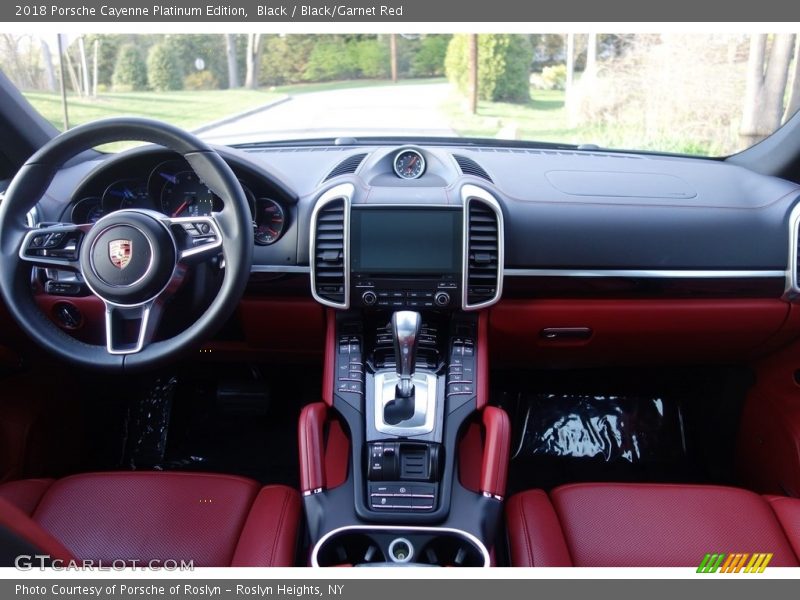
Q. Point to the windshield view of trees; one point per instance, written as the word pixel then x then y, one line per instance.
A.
pixel 708 94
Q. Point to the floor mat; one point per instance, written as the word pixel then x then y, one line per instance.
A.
pixel 619 426
pixel 576 437
pixel 240 420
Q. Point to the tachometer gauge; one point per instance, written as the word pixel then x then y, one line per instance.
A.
pixel 409 164
pixel 86 210
pixel 269 223
pixel 184 195
pixel 126 193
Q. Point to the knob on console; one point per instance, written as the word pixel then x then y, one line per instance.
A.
pixel 369 298
pixel 442 299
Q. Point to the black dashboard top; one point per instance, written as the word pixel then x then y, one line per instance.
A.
pixel 568 210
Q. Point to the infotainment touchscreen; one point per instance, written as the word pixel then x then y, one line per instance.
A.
pixel 405 241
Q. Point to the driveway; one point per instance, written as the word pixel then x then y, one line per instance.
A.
pixel 407 109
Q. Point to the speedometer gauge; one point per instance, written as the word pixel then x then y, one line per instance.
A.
pixel 409 164
pixel 184 195
pixel 270 221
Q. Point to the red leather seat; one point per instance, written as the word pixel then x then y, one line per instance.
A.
pixel 213 520
pixel 658 525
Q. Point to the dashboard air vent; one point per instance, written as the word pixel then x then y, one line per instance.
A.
pixel 470 167
pixel 484 254
pixel 328 256
pixel 347 166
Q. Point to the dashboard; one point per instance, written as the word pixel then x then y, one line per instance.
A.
pixel 589 254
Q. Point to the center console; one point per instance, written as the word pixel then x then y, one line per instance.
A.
pixel 404 462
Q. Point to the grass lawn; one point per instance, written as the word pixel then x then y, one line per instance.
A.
pixel 545 119
pixel 185 109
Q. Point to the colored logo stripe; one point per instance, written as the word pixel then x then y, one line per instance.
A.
pixel 735 563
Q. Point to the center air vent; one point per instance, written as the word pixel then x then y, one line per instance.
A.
pixel 348 166
pixel 470 167
pixel 483 260
pixel 328 252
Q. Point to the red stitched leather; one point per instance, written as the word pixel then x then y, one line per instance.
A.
pixel 18 523
pixel 497 443
pixel 311 431
pixel 148 515
pixel 25 494
pixel 787 510
pixel 207 518
pixel 269 537
pixel 666 525
pixel 330 357
pixel 534 533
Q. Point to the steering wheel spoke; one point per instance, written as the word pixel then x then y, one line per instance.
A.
pixel 54 247
pixel 130 329
pixel 197 238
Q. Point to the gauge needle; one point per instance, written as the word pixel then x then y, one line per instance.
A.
pixel 411 163
pixel 182 207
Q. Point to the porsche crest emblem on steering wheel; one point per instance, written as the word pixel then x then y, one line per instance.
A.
pixel 119 251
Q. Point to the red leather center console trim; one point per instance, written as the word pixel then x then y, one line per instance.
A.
pixel 494 468
pixel 311 438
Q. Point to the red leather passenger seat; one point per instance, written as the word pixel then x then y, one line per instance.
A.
pixel 651 525
pixel 213 520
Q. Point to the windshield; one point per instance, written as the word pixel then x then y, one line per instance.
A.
pixel 701 94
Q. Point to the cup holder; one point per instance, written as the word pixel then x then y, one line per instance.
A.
pixel 363 546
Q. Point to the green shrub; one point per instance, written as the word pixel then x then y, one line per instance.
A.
pixel 554 78
pixel 164 71
pixel 372 58
pixel 284 58
pixel 188 47
pixel 503 66
pixel 130 70
pixel 200 80
pixel 429 58
pixel 331 59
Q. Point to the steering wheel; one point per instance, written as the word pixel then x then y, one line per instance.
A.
pixel 133 260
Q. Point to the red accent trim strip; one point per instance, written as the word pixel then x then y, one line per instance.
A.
pixel 310 433
pixel 494 470
pixel 330 357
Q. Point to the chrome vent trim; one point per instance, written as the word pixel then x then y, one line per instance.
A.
pixel 337 199
pixel 792 290
pixel 346 167
pixel 469 167
pixel 472 195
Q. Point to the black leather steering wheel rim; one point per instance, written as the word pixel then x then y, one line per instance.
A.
pixel 234 223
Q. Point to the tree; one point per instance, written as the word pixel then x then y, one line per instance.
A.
pixel 47 61
pixel 794 98
pixel 253 59
pixel 504 62
pixel 164 71
pixel 393 54
pixel 233 69
pixel 473 73
pixel 130 71
pixel 767 74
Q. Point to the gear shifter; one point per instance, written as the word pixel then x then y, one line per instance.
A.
pixel 405 329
